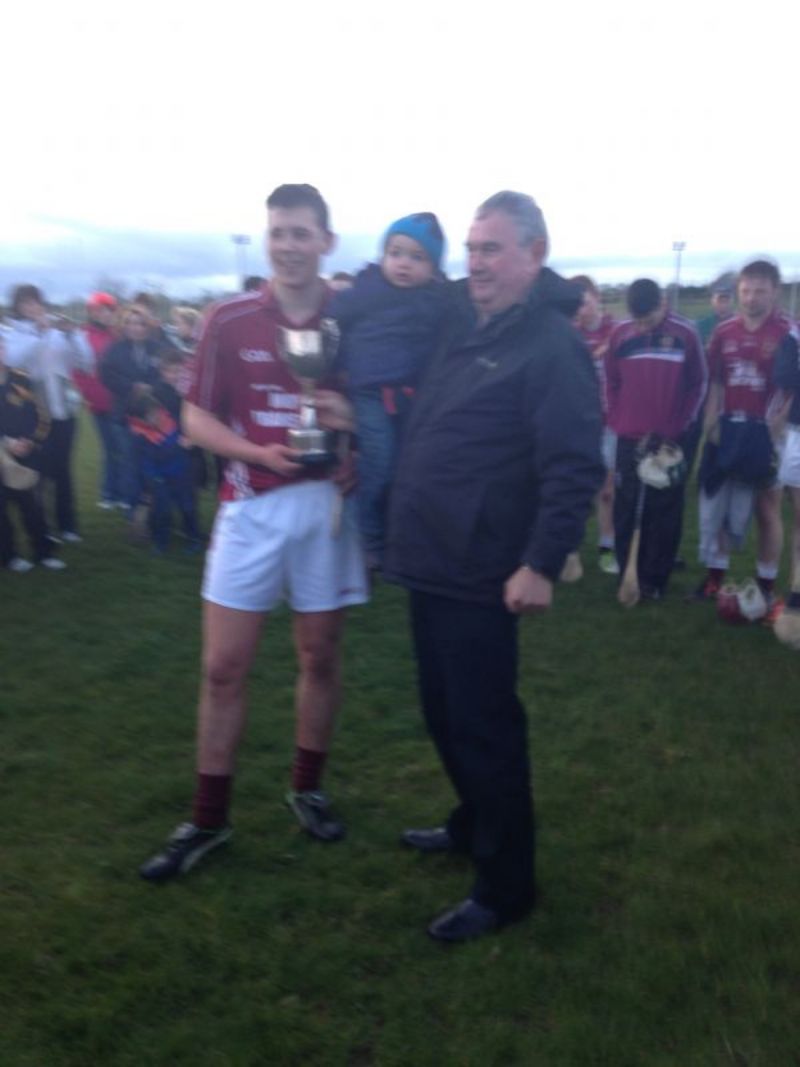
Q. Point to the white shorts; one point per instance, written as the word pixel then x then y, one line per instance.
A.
pixel 280 545
pixel 789 469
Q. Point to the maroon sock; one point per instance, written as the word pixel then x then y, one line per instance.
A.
pixel 717 574
pixel 766 585
pixel 307 769
pixel 212 799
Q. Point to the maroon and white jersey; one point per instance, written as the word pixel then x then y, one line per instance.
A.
pixel 240 378
pixel 596 341
pixel 655 379
pixel 742 361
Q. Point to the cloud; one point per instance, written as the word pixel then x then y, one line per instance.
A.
pixel 67 259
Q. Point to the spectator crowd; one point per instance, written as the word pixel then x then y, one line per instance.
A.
pixel 727 382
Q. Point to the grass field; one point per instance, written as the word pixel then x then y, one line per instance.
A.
pixel 666 754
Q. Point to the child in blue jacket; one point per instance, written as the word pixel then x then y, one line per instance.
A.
pixel 389 322
pixel 165 467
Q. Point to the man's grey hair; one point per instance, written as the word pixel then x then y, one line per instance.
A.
pixel 524 212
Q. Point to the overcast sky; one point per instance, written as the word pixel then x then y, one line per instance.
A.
pixel 138 138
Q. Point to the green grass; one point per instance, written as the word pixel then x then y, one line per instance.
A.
pixel 666 755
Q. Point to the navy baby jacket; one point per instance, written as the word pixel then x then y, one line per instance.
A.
pixel 388 333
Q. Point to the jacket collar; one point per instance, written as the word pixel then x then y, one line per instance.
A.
pixel 548 290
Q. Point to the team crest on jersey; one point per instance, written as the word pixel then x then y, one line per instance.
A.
pixel 729 346
pixel 666 343
pixel 255 355
pixel 745 374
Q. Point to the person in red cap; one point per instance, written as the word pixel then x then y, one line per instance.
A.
pixel 101 312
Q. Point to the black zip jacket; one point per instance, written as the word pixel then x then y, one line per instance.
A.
pixel 120 371
pixel 786 374
pixel 501 458
pixel 21 412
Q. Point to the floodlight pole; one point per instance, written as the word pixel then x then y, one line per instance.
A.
pixel 677 248
pixel 241 241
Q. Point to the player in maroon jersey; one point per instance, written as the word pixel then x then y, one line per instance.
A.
pixel 273 537
pixel 741 362
pixel 656 383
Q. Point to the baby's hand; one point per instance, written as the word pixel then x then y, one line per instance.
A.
pixel 333 410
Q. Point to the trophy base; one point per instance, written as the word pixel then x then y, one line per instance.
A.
pixel 316 459
pixel 315 447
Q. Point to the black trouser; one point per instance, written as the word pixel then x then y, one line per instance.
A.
pixel 662 520
pixel 32 518
pixel 56 466
pixel 467 668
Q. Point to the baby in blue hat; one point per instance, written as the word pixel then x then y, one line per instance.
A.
pixel 389 322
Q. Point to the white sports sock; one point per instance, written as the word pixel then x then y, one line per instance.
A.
pixel 767 570
pixel 717 562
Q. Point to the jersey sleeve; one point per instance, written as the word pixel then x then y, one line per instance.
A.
pixel 207 389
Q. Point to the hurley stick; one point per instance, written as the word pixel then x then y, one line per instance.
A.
pixel 628 593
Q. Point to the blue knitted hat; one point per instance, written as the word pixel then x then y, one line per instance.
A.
pixel 425 229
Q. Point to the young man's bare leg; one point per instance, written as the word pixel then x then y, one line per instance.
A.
pixel 770 537
pixel 317 639
pixel 230 639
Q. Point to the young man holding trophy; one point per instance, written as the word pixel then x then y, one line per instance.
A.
pixel 281 532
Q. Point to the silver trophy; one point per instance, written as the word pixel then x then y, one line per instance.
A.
pixel 310 355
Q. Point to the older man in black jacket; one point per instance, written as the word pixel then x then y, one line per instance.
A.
pixel 494 483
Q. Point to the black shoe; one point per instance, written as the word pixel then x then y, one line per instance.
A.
pixel 651 592
pixel 185 847
pixel 436 840
pixel 465 921
pixel 313 811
